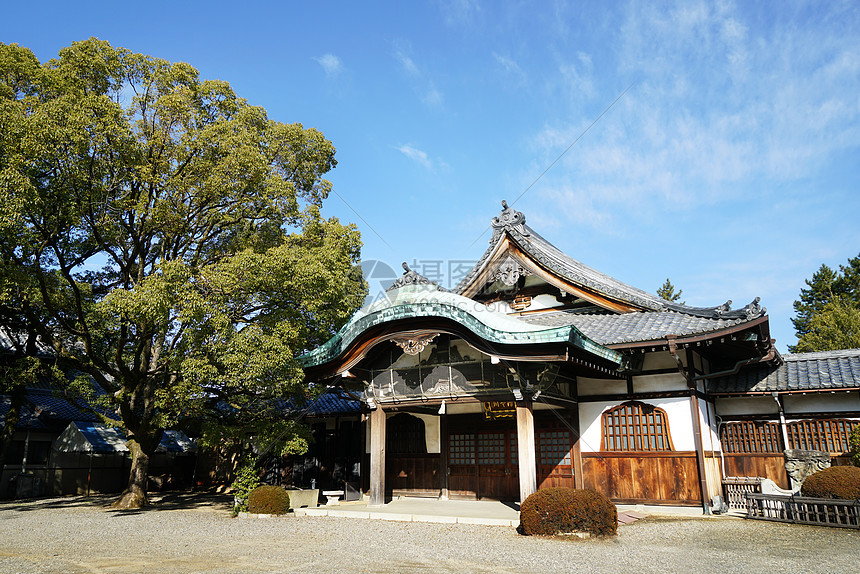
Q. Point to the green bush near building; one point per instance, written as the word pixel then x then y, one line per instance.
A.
pixel 268 499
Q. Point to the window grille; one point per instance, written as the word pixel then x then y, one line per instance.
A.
pixel 491 448
pixel 829 435
pixel 636 426
pixel 750 437
pixel 554 447
pixel 462 448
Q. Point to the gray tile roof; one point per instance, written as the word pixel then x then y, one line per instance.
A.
pixel 611 329
pixel 513 224
pixel 828 370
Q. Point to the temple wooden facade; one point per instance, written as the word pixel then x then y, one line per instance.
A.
pixel 537 370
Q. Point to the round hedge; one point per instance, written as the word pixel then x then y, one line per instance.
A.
pixel 551 511
pixel 268 499
pixel 835 482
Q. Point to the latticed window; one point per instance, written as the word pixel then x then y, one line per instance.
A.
pixel 636 426
pixel 554 447
pixel 462 448
pixel 829 435
pixel 750 437
pixel 491 448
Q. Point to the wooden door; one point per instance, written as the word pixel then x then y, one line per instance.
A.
pixel 555 458
pixel 483 465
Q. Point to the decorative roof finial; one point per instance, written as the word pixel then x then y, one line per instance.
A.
pixel 410 277
pixel 509 219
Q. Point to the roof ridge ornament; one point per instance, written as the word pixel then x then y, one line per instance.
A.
pixel 754 310
pixel 411 277
pixel 724 311
pixel 509 219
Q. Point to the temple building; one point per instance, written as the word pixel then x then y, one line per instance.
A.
pixel 537 370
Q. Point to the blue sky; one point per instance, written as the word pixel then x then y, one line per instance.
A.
pixel 730 165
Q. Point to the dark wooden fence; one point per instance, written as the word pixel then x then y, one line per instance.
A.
pixel 800 510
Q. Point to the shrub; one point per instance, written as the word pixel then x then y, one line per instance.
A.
pixel 854 444
pixel 247 479
pixel 268 499
pixel 559 510
pixel 834 482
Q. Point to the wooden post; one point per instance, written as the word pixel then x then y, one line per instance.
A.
pixel 700 451
pixel 526 449
pixel 688 374
pixel 443 452
pixel 377 457
pixel 578 477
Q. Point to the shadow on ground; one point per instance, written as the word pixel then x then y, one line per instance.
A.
pixel 179 500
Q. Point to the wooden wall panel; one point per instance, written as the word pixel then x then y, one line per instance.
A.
pixel 647 478
pixel 770 466
pixel 416 475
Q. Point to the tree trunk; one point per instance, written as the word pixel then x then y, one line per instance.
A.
pixel 7 434
pixel 134 496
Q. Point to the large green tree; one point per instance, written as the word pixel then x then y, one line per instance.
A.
pixel 836 326
pixel 829 292
pixel 164 239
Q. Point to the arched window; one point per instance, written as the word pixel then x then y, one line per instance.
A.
pixel 635 426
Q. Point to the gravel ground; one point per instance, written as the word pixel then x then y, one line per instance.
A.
pixel 196 534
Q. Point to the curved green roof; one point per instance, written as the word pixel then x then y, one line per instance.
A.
pixel 423 301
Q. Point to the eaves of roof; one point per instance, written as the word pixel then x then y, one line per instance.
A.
pixel 801 372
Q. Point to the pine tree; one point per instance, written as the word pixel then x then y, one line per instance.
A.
pixel 667 292
pixel 835 292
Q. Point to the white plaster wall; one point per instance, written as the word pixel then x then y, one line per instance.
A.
pixel 588 386
pixel 821 402
pixel 746 406
pixel 432 432
pixel 677 410
pixel 543 302
pixel 656 383
pixel 460 408
pixel 660 360
pixel 710 430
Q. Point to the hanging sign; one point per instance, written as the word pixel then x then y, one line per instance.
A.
pixel 499 410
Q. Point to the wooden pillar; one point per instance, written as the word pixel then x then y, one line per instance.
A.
pixel 377 457
pixel 578 477
pixel 526 449
pixel 443 452
pixel 700 451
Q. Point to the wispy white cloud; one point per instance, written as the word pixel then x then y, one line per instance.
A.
pixel 511 68
pixel 330 63
pixel 714 108
pixel 458 12
pixel 426 89
pixel 407 63
pixel 432 97
pixel 416 155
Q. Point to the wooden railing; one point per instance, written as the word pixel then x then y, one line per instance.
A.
pixel 800 510
pixel 735 487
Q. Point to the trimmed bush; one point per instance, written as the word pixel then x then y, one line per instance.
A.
pixel 834 482
pixel 551 511
pixel 268 499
